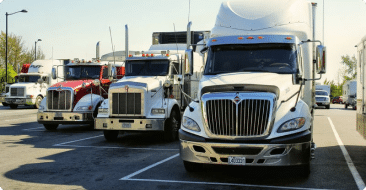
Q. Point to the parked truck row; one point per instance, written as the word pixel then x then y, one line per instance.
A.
pixel 242 93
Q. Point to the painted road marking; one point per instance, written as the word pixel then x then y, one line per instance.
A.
pixel 128 178
pixel 77 140
pixel 351 166
pixel 34 129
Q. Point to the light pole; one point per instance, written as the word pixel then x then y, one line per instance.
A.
pixel 35 49
pixel 6 43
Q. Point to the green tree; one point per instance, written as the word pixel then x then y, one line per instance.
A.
pixel 18 55
pixel 335 89
pixel 350 64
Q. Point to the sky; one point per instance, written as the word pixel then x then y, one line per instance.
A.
pixel 71 28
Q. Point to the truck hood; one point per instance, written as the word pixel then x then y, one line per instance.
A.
pixel 147 82
pixel 74 84
pixel 280 84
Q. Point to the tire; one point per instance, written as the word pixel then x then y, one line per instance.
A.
pixel 13 106
pixel 354 107
pixel 192 167
pixel 345 106
pixel 5 104
pixel 171 127
pixel 50 127
pixel 327 106
pixel 305 170
pixel 38 102
pixel 110 135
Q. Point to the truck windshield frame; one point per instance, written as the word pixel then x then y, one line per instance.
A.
pixel 321 93
pixel 82 72
pixel 28 78
pixel 278 58
pixel 147 68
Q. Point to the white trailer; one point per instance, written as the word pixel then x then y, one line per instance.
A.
pixel 361 87
pixel 350 94
pixel 323 87
pixel 31 87
pixel 255 99
pixel 151 95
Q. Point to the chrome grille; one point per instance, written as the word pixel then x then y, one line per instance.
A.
pixel 16 91
pixel 247 118
pixel 126 103
pixel 59 99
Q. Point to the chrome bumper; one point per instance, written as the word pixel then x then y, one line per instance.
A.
pixel 264 154
pixel 64 118
pixel 129 124
pixel 20 101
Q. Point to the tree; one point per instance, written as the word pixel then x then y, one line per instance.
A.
pixel 350 64
pixel 18 55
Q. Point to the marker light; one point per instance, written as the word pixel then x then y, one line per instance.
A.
pixel 214 40
pixel 130 55
pixel 152 55
pixel 167 55
pixel 143 55
pixel 240 38
pixel 288 38
pixel 250 38
pixel 260 37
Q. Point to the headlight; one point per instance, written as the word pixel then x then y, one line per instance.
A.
pixel 292 125
pixel 157 111
pixel 103 111
pixel 85 108
pixel 190 124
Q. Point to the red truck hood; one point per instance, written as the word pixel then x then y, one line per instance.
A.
pixel 74 84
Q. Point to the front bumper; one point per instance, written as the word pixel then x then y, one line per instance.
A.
pixel 129 124
pixel 20 101
pixel 64 118
pixel 256 154
pixel 322 103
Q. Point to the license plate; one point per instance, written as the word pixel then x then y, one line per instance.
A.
pixel 236 160
pixel 126 125
pixel 58 114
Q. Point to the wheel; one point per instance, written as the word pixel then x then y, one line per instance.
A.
pixel 13 106
pixel 50 127
pixel 305 170
pixel 354 107
pixel 345 106
pixel 171 127
pixel 95 113
pixel 110 135
pixel 327 106
pixel 192 167
pixel 38 102
pixel 4 104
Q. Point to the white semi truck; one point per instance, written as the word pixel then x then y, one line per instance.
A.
pixel 361 87
pixel 255 99
pixel 349 93
pixel 151 95
pixel 31 87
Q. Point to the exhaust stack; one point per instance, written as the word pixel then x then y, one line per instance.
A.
pixel 97 51
pixel 126 41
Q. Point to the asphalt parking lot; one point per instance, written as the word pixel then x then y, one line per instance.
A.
pixel 77 157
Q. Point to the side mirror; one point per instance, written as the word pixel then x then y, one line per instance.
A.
pixel 320 59
pixel 54 73
pixel 188 62
pixel 112 72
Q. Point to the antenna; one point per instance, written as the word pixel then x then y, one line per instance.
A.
pixel 114 58
pixel 323 22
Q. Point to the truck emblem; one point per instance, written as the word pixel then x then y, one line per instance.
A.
pixel 126 88
pixel 237 99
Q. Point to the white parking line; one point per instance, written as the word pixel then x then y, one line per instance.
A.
pixel 77 140
pixel 148 167
pixel 224 184
pixel 351 166
pixel 78 146
pixel 32 129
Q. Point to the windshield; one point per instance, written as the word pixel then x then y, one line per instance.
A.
pixel 147 68
pixel 28 78
pixel 275 58
pixel 82 72
pixel 321 93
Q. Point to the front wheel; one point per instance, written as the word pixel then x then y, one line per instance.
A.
pixel 38 102
pixel 345 106
pixel 192 167
pixel 110 135
pixel 50 127
pixel 327 106
pixel 5 104
pixel 13 106
pixel 171 127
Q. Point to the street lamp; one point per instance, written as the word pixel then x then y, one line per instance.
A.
pixel 6 43
pixel 35 49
